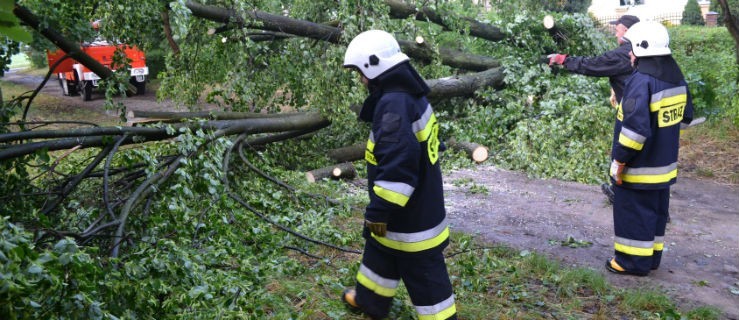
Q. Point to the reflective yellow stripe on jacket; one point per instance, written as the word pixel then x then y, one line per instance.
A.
pixel 395 192
pixel 650 174
pixel 416 241
pixel 631 139
pixel 669 105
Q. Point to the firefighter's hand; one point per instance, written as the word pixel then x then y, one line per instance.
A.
pixel 614 103
pixel 378 228
pixel 556 58
pixel 617 169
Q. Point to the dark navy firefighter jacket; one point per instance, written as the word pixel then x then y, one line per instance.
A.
pixel 402 155
pixel 647 131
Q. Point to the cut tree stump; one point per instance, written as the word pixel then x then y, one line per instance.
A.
pixel 339 171
pixel 475 151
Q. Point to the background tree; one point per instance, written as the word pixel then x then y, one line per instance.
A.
pixel 692 14
pixel 570 6
pixel 728 10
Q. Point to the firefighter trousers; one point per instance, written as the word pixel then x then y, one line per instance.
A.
pixel 426 279
pixel 640 219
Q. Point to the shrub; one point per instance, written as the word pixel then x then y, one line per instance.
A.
pixel 692 14
pixel 700 52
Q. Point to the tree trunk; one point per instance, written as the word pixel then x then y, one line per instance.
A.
pixel 465 85
pixel 473 150
pixel 401 10
pixel 449 57
pixel 348 153
pixel 285 25
pixel 100 136
pixel 210 115
pixel 732 24
pixel 340 171
pixel 267 22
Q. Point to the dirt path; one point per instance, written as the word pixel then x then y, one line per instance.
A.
pixel 701 259
pixel 146 102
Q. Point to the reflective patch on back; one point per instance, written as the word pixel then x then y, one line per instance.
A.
pixel 670 115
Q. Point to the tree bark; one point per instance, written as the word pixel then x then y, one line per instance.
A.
pixel 344 170
pixel 168 31
pixel 285 25
pixel 473 150
pixel 267 21
pixel 401 10
pixel 211 115
pixel 449 57
pixel 732 24
pixel 465 85
pixel 100 136
pixel 348 153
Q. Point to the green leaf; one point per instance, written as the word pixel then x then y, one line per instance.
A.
pixel 35 269
pixel 17 34
pixel 7 5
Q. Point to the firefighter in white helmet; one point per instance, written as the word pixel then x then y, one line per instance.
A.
pixel 405 221
pixel 644 154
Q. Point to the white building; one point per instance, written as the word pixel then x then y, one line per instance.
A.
pixel 646 10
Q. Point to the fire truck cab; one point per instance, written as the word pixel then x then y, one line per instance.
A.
pixel 74 78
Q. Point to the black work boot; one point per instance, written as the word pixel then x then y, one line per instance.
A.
pixel 607 189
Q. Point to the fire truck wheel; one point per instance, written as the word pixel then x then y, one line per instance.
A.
pixel 140 86
pixel 72 87
pixel 86 90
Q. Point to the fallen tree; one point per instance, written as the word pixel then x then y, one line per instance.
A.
pixel 402 10
pixel 286 26
pixel 101 136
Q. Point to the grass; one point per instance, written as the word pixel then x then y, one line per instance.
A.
pixel 490 282
pixel 711 151
pixel 50 108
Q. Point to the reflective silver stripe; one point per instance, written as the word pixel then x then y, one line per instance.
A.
pixel 659 239
pixel 633 135
pixel 420 124
pixel 399 187
pixel 384 282
pixel 635 243
pixel 651 170
pixel 417 236
pixel 372 137
pixel 439 307
pixel 669 93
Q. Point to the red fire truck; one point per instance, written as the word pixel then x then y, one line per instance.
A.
pixel 74 78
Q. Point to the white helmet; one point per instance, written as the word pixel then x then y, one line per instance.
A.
pixel 373 52
pixel 648 38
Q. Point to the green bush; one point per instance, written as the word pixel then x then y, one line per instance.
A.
pixel 706 56
pixel 692 14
